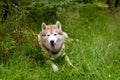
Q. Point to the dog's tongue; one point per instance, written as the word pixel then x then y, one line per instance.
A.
pixel 53 47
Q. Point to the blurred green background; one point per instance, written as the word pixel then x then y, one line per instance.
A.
pixel 93 46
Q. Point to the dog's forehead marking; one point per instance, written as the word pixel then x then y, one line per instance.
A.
pixel 52 29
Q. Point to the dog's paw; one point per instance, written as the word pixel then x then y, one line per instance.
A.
pixel 55 68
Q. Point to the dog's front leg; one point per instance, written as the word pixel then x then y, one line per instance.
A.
pixel 54 66
pixel 69 62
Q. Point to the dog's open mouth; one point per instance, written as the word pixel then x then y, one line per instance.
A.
pixel 53 47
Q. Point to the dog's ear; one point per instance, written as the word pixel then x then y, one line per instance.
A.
pixel 58 25
pixel 43 26
pixel 65 35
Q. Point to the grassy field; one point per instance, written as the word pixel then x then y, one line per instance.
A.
pixel 93 47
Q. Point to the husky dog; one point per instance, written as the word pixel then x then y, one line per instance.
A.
pixel 52 38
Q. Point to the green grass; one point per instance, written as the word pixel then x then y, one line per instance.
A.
pixel 93 47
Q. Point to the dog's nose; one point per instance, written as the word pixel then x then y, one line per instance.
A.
pixel 52 41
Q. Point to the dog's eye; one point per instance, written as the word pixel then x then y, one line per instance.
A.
pixel 48 35
pixel 55 34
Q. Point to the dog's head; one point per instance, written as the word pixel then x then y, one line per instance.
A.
pixel 53 37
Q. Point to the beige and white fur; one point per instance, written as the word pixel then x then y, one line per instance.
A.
pixel 52 39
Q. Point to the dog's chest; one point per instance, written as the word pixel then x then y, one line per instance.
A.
pixel 57 59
